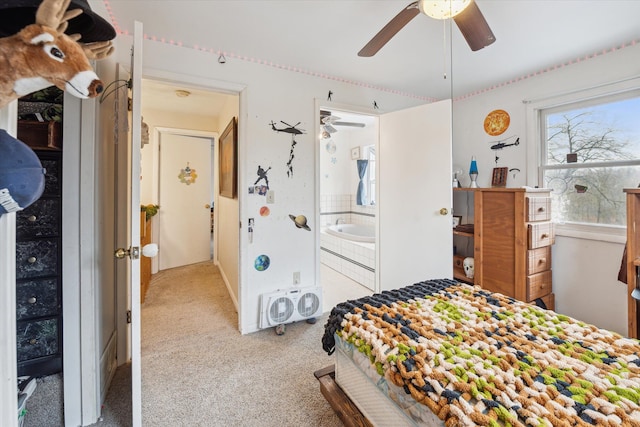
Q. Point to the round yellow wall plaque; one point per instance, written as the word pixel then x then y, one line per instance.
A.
pixel 496 122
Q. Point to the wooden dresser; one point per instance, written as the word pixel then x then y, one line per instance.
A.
pixel 512 238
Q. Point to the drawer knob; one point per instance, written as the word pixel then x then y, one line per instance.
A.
pixel 31 259
pixel 544 236
pixel 542 260
pixel 32 218
pixel 32 300
pixel 33 341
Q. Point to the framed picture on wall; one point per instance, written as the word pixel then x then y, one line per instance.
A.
pixel 355 153
pixel 499 178
pixel 228 160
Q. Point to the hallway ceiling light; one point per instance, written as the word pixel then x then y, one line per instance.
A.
pixel 180 93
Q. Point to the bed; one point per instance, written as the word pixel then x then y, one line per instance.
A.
pixel 441 352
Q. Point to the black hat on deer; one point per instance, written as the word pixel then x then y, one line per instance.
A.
pixel 17 14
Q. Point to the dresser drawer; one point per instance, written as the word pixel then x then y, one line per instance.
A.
pixel 41 219
pixel 539 208
pixel 540 234
pixel 37 298
pixel 53 176
pixel 37 338
pixel 538 260
pixel 538 285
pixel 36 258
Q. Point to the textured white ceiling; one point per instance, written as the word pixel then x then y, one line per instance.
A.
pixel 322 37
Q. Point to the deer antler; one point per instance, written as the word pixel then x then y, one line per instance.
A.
pixel 54 14
pixel 94 50
pixel 97 50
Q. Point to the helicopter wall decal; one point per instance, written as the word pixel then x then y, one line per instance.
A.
pixel 502 144
pixel 289 129
pixel 293 130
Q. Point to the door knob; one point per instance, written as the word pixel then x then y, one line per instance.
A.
pixel 207 206
pixel 444 211
pixel 133 253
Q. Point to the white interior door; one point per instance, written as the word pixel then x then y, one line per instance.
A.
pixel 185 200
pixel 415 238
pixel 134 207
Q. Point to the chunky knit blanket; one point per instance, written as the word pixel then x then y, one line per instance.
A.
pixel 480 358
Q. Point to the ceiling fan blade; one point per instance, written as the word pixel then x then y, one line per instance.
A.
pixel 351 124
pixel 329 128
pixel 474 27
pixel 390 30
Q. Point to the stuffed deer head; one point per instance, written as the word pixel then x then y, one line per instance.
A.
pixel 41 55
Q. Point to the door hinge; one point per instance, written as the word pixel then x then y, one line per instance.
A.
pixel 128 316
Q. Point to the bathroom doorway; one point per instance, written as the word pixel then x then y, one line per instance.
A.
pixel 347 144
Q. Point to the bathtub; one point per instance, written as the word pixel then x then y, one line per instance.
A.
pixel 349 252
pixel 353 232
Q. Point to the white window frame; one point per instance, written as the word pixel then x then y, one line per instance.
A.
pixel 536 151
pixel 368 177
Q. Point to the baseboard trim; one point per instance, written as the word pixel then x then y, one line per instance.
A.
pixel 108 365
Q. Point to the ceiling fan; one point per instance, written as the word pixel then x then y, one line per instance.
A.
pixel 328 121
pixel 465 13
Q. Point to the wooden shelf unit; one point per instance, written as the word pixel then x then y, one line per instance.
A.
pixel 512 241
pixel 633 257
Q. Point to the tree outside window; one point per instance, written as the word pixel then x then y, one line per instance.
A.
pixel 591 152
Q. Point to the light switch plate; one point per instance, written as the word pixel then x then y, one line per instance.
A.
pixel 271 196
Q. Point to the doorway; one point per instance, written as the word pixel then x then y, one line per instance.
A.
pixel 347 199
pixel 186 195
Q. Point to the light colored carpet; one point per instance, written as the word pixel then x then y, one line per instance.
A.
pixel 197 370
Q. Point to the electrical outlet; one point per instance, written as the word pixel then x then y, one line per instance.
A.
pixel 296 278
pixel 271 196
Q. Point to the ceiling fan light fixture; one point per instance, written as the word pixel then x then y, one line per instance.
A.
pixel 443 9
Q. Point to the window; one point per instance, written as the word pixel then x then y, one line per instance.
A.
pixel 590 152
pixel 370 177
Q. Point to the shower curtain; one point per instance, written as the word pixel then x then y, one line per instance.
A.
pixel 362 169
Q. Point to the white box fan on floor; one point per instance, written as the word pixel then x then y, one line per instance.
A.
pixel 290 305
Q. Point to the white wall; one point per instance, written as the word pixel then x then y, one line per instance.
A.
pixel 584 289
pixel 271 95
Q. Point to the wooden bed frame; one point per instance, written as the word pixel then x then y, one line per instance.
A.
pixel 346 410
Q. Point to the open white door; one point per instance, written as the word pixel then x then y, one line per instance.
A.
pixel 415 196
pixel 134 273
pixel 128 177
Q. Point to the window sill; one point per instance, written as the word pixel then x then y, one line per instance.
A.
pixel 602 233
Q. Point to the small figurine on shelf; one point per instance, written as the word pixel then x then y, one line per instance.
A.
pixel 473 172
pixel 468 266
pixel 456 182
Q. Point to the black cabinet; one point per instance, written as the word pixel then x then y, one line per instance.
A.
pixel 39 275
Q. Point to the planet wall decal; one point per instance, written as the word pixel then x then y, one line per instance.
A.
pixel 265 211
pixel 262 262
